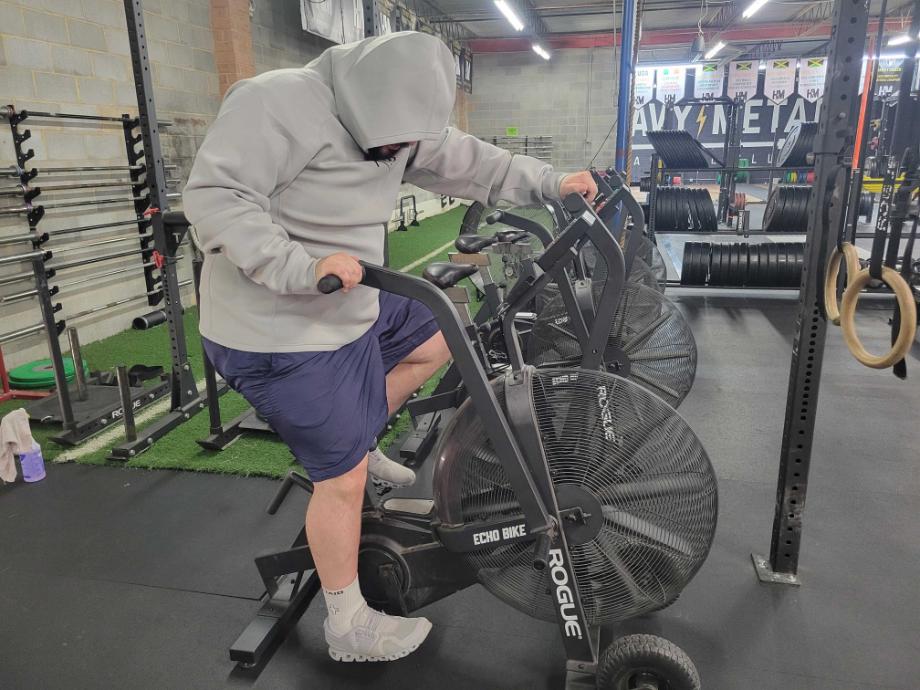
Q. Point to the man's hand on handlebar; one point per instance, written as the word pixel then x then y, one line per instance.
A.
pixel 578 183
pixel 345 266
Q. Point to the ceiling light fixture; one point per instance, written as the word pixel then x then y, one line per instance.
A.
pixel 506 10
pixel 899 40
pixel 753 8
pixel 714 50
pixel 698 48
pixel 541 51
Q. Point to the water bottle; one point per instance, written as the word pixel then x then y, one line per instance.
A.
pixel 33 465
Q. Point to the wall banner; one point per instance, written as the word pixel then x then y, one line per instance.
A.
pixel 671 83
pixel 709 79
pixel 779 79
pixel 644 85
pixel 888 80
pixel 812 71
pixel 341 21
pixel 742 79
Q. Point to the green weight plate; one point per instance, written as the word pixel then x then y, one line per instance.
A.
pixel 40 374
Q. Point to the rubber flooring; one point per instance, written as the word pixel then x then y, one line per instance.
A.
pixel 115 578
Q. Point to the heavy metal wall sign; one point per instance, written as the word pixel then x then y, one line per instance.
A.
pixel 763 121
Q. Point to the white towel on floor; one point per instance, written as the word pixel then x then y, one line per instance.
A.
pixel 15 437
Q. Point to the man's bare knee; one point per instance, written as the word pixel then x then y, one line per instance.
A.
pixel 345 487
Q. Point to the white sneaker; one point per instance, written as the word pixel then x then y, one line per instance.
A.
pixel 375 636
pixel 386 472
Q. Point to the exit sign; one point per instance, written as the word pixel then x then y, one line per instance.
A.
pixel 511 131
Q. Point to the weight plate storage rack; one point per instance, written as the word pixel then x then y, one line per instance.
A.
pixel 743 264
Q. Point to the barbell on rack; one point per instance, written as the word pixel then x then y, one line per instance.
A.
pixel 52 271
pixel 8 111
pixel 26 189
pixel 118 303
pixel 28 330
pixel 16 171
pixel 42 237
pixel 45 255
pixel 26 208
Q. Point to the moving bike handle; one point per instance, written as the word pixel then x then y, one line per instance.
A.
pixel 330 283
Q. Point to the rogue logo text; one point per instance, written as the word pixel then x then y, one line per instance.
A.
pixel 564 597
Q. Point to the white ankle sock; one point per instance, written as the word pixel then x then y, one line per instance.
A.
pixel 342 606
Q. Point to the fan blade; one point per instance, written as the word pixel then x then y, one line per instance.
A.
pixel 620 316
pixel 560 329
pixel 650 355
pixel 620 570
pixel 611 549
pixel 635 373
pixel 648 531
pixel 674 485
pixel 666 446
pixel 643 335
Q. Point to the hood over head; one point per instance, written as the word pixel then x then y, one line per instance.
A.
pixel 391 89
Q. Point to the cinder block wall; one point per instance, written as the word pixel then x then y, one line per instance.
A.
pixel 571 97
pixel 277 39
pixel 73 56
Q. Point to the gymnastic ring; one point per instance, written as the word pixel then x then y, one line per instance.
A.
pixel 848 252
pixel 908 308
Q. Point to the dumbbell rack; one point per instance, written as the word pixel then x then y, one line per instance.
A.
pixel 88 406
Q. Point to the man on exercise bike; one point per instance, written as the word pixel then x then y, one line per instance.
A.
pixel 296 180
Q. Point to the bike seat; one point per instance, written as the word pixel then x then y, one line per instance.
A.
pixel 473 244
pixel 511 235
pixel 444 275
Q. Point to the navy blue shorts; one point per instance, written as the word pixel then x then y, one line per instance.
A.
pixel 329 406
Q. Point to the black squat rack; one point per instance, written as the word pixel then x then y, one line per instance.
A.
pixel 168 232
pixel 826 218
pixel 87 407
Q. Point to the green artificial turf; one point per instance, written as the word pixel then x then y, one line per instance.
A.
pixel 252 454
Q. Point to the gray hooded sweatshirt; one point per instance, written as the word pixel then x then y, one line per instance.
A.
pixel 282 180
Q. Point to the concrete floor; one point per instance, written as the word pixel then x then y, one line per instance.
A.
pixel 113 578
